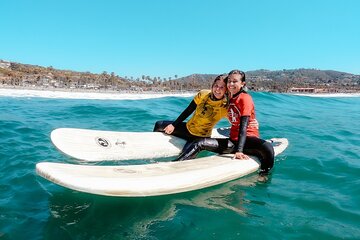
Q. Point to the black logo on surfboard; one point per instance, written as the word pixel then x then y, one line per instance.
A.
pixel 103 142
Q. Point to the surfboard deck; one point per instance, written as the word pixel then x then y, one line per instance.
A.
pixel 151 179
pixel 95 145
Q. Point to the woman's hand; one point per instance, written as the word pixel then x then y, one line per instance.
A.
pixel 169 129
pixel 241 156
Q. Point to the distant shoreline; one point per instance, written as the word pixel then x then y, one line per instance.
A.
pixel 76 93
pixel 302 80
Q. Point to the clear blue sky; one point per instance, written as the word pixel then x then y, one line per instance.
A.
pixel 163 38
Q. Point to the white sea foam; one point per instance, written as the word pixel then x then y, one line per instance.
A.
pixel 86 95
pixel 329 95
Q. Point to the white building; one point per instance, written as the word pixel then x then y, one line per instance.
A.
pixel 4 64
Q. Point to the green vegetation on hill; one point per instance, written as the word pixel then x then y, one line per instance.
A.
pixel 24 75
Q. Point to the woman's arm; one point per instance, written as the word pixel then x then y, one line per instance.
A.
pixel 244 120
pixel 186 113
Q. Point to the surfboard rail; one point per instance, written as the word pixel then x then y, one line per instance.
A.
pixel 151 179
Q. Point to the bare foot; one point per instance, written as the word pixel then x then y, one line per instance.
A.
pixel 262 178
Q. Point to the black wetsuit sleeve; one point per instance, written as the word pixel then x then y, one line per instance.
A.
pixel 186 113
pixel 244 120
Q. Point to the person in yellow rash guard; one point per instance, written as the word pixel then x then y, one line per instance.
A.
pixel 209 111
pixel 208 106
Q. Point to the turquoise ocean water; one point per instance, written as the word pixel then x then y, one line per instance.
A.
pixel 313 193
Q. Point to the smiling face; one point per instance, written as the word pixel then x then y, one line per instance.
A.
pixel 218 89
pixel 234 83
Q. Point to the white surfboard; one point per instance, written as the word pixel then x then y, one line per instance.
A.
pixel 95 145
pixel 151 179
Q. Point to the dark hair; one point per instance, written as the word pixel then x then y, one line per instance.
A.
pixel 241 73
pixel 221 77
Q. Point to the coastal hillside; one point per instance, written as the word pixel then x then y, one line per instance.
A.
pixel 295 80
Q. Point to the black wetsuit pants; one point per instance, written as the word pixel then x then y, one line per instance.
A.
pixel 180 131
pixel 254 146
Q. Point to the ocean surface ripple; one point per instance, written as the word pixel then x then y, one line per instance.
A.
pixel 313 192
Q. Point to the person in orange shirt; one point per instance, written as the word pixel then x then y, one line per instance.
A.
pixel 244 138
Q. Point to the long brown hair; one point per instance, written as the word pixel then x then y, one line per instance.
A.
pixel 222 77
